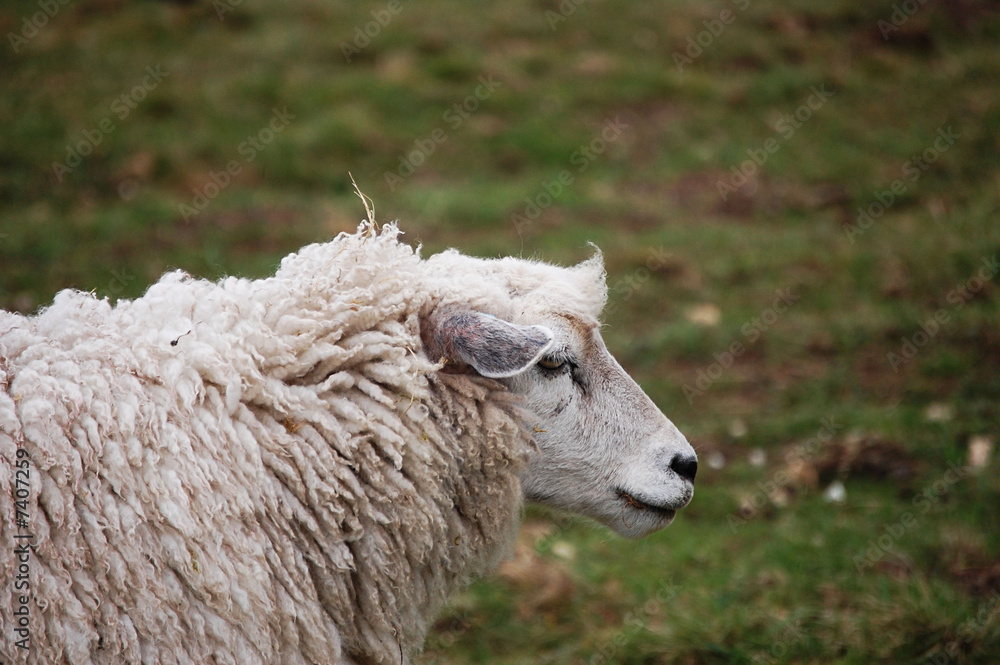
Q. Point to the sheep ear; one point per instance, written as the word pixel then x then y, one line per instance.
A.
pixel 493 347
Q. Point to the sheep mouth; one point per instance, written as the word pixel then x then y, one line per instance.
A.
pixel 665 512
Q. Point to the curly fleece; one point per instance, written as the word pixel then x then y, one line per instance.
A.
pixel 256 471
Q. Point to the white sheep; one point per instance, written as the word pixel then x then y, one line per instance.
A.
pixel 300 469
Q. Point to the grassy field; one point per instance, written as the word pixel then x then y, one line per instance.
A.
pixel 798 204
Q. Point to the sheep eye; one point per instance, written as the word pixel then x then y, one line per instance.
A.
pixel 551 364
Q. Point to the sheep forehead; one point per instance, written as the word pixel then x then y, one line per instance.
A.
pixel 582 284
pixel 533 288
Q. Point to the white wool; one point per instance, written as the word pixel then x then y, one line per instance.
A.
pixel 261 471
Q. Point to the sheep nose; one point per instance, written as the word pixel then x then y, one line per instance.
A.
pixel 685 466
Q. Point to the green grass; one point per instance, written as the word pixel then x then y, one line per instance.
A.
pixel 778 584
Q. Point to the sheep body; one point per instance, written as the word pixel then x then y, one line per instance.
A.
pixel 251 471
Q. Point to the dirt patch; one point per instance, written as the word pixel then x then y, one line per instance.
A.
pixel 868 456
pixel 965 561
pixel 979 580
pixel 543 584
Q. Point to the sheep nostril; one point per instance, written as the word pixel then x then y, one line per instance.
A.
pixel 685 466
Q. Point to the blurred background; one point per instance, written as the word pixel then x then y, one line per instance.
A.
pixel 797 204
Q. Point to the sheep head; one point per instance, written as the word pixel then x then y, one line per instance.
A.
pixel 604 449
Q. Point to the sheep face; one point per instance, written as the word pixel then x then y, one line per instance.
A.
pixel 604 449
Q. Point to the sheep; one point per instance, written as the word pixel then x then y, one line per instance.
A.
pixel 301 469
